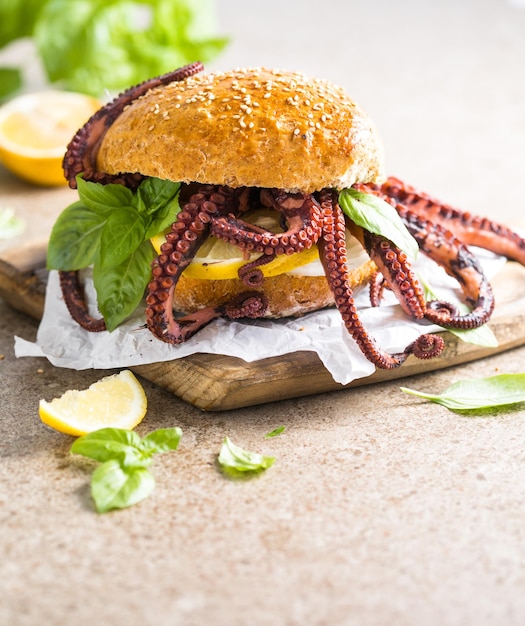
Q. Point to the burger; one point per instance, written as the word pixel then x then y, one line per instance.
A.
pixel 268 142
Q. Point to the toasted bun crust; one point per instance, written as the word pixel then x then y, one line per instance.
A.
pixel 247 127
pixel 288 294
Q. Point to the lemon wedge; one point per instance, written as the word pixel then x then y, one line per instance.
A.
pixel 35 130
pixel 217 259
pixel 116 401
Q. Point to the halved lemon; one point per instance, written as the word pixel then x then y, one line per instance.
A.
pixel 116 401
pixel 217 259
pixel 35 130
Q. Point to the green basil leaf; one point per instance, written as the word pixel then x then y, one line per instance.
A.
pixel 75 238
pixel 10 81
pixel 162 440
pixel 117 487
pixel 119 444
pixel 120 288
pixel 378 217
pixel 160 202
pixel 234 457
pixel 153 194
pixel 482 393
pixel 122 235
pixel 103 198
pixel 275 432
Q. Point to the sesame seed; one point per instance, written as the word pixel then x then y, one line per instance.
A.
pixel 242 123
pixel 267 95
pixel 251 125
pixel 296 131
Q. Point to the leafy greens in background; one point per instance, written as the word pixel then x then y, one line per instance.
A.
pixel 103 45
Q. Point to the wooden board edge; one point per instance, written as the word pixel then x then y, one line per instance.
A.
pixel 214 383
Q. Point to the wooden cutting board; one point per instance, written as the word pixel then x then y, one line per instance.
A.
pixel 215 383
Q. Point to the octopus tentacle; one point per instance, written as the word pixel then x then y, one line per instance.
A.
pixel 332 248
pixel 457 260
pixel 182 242
pixel 396 271
pixel 471 229
pixel 376 286
pixel 460 263
pixel 252 304
pixel 75 300
pixel 302 215
pixel 251 274
pixel 82 151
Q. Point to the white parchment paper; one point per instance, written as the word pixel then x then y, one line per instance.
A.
pixel 65 344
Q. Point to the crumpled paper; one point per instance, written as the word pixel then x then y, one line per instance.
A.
pixel 65 344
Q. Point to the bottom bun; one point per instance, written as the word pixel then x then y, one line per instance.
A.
pixel 289 295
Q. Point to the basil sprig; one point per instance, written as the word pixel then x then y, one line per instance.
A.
pixel 110 228
pixel 481 393
pixel 378 217
pixel 123 479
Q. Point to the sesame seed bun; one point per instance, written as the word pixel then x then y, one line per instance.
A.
pixel 247 127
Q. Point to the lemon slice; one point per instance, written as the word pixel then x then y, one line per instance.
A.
pixel 116 401
pixel 35 130
pixel 217 259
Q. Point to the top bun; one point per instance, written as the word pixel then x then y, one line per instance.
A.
pixel 247 127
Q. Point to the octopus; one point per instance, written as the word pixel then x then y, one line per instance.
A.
pixel 443 233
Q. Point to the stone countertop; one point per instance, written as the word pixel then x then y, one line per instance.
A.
pixel 381 508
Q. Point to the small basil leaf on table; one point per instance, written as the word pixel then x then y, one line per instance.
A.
pixel 481 393
pixel 234 457
pixel 275 432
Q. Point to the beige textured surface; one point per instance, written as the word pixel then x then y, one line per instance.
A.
pixel 380 509
pixel 247 127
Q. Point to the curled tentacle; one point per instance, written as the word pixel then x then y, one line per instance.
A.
pixel 470 229
pixel 427 347
pixel 458 261
pixel 75 301
pixel 396 273
pixel 251 274
pixel 376 285
pixel 252 304
pixel 182 242
pixel 82 151
pixel 301 213
pixel 332 248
